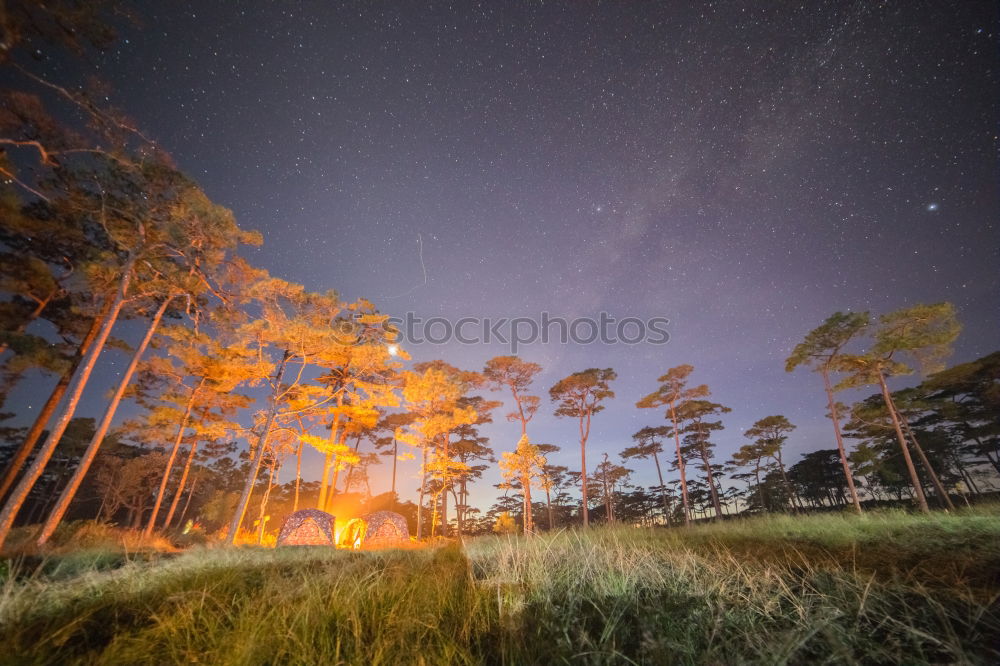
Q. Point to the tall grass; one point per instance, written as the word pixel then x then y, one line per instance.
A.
pixel 775 590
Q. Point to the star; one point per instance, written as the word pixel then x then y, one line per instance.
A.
pixel 931 207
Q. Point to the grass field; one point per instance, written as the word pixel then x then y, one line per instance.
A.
pixel 887 588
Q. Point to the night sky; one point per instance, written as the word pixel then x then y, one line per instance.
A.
pixel 743 169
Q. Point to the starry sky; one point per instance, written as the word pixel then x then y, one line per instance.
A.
pixel 742 169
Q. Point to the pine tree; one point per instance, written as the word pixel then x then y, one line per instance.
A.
pixel 673 392
pixel 580 396
pixel 525 464
pixel 924 333
pixel 821 350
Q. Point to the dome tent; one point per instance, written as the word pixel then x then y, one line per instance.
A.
pixel 307 527
pixel 385 529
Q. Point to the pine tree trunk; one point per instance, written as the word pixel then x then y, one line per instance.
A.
pixel 793 498
pixel 583 468
pixel 608 518
pixel 298 466
pixel 395 453
pixel 840 441
pixel 323 480
pixel 261 522
pixel 241 506
pixel 38 427
pixel 680 467
pixel 529 518
pixel 458 514
pixel 935 480
pixel 444 488
pixel 966 477
pixel 69 492
pixel 298 476
pixel 336 472
pixel 760 488
pixel 74 391
pixel 187 502
pixel 328 458
pixel 423 485
pixel 181 427
pixel 180 485
pixel 350 470
pixel 918 491
pixel 548 505
pixel 711 480
pixel 434 515
pixel 663 488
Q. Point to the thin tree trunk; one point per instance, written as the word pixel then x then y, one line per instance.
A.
pixel 917 489
pixel 423 485
pixel 35 432
pixel 182 426
pixel 69 492
pixel 792 496
pixel 938 486
pixel 583 467
pixel 241 506
pixel 434 514
pixel 328 458
pixel 395 453
pixel 336 472
pixel 180 485
pixel 548 504
pixel 711 480
pixel 444 487
pixel 835 417
pixel 298 465
pixel 965 475
pixel 74 391
pixel 350 470
pixel 298 476
pixel 261 522
pixel 760 488
pixel 529 518
pixel 323 480
pixel 458 514
pixel 608 515
pixel 187 502
pixel 680 467
pixel 463 497
pixel 663 489
pixel 100 509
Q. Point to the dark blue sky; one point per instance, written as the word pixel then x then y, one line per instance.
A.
pixel 741 168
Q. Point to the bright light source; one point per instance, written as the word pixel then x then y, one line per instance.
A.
pixel 393 350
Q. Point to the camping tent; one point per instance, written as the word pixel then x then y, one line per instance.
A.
pixel 308 527
pixel 385 529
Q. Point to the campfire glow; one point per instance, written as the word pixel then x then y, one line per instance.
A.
pixel 352 534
